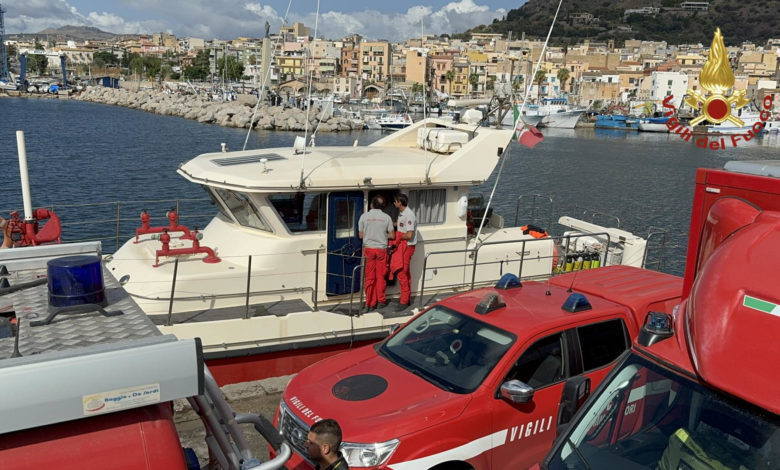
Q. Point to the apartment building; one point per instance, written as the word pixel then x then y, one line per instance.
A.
pixel 374 61
pixel 440 65
pixel 350 61
pixel 416 66
pixel 663 84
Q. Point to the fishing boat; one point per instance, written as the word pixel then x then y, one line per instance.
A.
pixel 617 121
pixel 528 115
pixel 750 118
pixel 558 113
pixel 273 282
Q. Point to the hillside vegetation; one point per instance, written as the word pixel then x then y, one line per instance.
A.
pixel 740 21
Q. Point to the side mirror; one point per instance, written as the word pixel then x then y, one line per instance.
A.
pixel 394 328
pixel 516 391
pixel 575 391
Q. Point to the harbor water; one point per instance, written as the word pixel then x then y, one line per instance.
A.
pixel 83 153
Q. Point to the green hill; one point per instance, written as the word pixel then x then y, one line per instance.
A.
pixel 744 20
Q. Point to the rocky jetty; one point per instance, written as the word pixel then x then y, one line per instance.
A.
pixel 229 114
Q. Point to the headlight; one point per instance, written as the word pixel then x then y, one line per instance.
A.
pixel 368 455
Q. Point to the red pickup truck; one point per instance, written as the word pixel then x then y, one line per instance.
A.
pixel 476 381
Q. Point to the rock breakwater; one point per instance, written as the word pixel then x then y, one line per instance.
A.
pixel 228 114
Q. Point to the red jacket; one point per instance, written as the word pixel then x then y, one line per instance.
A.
pixel 397 248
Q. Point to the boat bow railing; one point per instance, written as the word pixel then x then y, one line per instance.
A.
pixel 564 247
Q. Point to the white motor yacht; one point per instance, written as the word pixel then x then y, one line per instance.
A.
pixel 285 273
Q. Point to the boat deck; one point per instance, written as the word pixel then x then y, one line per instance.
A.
pixel 282 308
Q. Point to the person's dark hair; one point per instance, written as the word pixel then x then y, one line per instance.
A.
pixel 329 431
pixel 401 197
pixel 377 202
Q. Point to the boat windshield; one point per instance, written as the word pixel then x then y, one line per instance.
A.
pixel 239 207
pixel 451 350
pixel 301 212
pixel 650 417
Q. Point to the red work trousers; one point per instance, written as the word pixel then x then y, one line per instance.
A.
pixel 405 277
pixel 376 269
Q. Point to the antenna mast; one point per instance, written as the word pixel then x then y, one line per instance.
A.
pixel 3 53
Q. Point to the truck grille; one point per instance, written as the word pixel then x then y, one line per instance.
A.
pixel 294 431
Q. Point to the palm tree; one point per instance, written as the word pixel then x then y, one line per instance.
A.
pixel 450 76
pixel 473 80
pixel 517 83
pixel 541 76
pixel 563 77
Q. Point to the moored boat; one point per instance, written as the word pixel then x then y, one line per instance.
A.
pixel 288 281
pixel 617 121
pixel 394 121
pixel 654 124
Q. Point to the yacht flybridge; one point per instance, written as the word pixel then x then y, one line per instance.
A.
pixel 284 271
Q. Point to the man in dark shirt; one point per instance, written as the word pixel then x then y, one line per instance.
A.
pixel 323 443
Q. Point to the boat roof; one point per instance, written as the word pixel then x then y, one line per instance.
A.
pixel 395 160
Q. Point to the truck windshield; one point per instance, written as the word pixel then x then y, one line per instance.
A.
pixel 451 350
pixel 650 417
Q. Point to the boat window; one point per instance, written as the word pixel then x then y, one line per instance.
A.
pixel 301 212
pixel 345 218
pixel 428 205
pixel 241 208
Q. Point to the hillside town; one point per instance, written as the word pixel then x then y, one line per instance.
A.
pixel 593 74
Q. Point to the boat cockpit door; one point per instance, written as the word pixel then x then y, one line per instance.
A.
pixel 344 245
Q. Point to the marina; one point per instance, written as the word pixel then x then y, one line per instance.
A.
pixel 307 300
pixel 604 173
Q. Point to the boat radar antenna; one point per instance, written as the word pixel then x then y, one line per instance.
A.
pixel 3 52
pixel 520 113
pixel 266 67
pixel 308 99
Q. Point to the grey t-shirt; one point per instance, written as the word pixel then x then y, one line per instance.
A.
pixel 375 225
pixel 407 222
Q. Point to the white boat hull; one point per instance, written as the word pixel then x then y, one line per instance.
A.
pixel 562 120
pixel 652 127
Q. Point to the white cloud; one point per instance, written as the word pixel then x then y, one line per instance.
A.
pixel 232 18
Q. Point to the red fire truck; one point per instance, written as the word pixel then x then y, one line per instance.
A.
pixel 475 381
pixel 700 388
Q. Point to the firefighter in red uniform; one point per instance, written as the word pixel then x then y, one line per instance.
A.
pixel 407 227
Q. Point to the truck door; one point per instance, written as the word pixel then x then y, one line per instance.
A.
pixel 530 427
pixel 344 246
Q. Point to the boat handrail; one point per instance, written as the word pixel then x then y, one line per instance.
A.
pixel 557 241
pixel 533 207
pixel 656 242
pixel 71 215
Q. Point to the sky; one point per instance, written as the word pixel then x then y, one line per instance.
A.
pixel 393 20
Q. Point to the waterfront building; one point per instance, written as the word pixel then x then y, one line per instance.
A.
pixel 416 66
pixel 664 84
pixel 374 61
pixel 441 64
pixel 350 61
